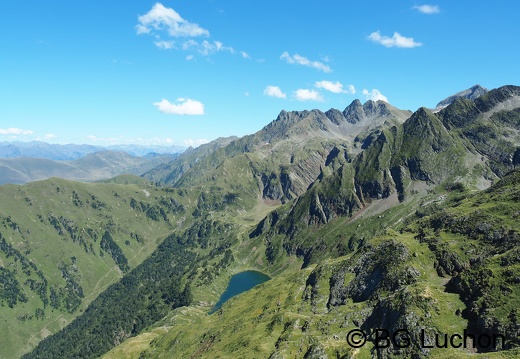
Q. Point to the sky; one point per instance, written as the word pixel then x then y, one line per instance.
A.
pixel 186 72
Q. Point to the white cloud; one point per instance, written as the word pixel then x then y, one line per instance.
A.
pixel 206 48
pixel 197 142
pixel 190 57
pixel 15 131
pixel 165 44
pixel 274 91
pixel 335 87
pixel 189 44
pixel 215 46
pixel 395 41
pixel 307 95
pixel 183 106
pixel 50 135
pixel 124 62
pixel 161 18
pixel 300 60
pixel 374 95
pixel 427 9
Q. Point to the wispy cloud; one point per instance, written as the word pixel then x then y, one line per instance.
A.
pixel 335 87
pixel 206 47
pixel 196 142
pixel 107 140
pixel 245 55
pixel 161 18
pixel 274 91
pixel 307 95
pixel 395 41
pixel 300 60
pixel 165 44
pixel 374 95
pixel 427 9
pixel 15 131
pixel 183 106
pixel 124 62
pixel 122 140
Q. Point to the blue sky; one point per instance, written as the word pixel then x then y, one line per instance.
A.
pixel 188 71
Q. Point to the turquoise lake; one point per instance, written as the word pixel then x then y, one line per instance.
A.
pixel 240 283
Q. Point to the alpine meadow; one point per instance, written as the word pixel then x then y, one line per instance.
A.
pixel 206 179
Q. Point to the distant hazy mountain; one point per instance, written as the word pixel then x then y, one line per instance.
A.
pixel 472 93
pixel 138 150
pixel 49 151
pixel 92 167
pixel 38 149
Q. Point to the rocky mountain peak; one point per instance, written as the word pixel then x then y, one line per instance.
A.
pixel 357 112
pixel 472 93
pixel 354 112
pixel 335 116
pixel 379 108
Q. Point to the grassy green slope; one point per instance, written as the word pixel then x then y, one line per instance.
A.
pixel 55 255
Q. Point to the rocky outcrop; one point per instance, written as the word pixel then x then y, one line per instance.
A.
pixel 379 269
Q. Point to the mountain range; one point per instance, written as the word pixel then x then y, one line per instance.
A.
pixel 366 218
pixel 22 162
pixel 92 167
pixel 69 152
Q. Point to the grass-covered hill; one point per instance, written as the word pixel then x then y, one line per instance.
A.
pixel 63 243
pixel 371 217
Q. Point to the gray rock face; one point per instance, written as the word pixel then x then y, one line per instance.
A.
pixel 354 112
pixel 372 108
pixel 472 93
pixel 335 116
